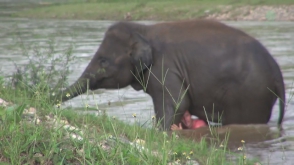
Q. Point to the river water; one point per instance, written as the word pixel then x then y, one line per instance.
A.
pixel 85 37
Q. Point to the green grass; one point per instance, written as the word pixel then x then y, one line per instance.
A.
pixel 45 144
pixel 104 140
pixel 138 9
pixel 55 136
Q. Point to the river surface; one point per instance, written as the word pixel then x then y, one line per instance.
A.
pixel 86 36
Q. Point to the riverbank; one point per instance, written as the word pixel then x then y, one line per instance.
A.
pixel 255 13
pixel 63 136
pixel 252 10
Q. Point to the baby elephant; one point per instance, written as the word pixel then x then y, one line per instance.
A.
pixel 217 72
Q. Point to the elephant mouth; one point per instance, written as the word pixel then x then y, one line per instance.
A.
pixel 104 83
pixel 93 85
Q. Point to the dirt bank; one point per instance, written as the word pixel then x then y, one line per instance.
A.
pixel 254 13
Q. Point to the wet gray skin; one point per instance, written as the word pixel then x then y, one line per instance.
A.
pixel 263 141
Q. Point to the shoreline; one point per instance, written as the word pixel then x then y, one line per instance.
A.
pixel 154 12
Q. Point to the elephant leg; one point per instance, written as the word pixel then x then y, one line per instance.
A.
pixel 170 103
pixel 166 113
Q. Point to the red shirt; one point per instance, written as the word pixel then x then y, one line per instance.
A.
pixel 197 123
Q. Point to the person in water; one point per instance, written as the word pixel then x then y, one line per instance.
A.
pixel 188 123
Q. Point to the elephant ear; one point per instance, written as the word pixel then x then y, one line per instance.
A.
pixel 141 52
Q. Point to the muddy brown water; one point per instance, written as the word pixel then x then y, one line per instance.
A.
pixel 263 141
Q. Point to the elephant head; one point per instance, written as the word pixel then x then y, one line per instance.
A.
pixel 124 51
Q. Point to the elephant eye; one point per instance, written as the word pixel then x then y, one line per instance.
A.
pixel 103 62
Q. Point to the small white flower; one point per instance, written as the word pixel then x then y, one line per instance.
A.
pixel 87 105
pixel 58 105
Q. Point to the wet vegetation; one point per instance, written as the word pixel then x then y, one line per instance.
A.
pixel 35 131
pixel 136 9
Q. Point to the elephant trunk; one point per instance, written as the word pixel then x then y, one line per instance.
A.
pixel 88 80
pixel 79 87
